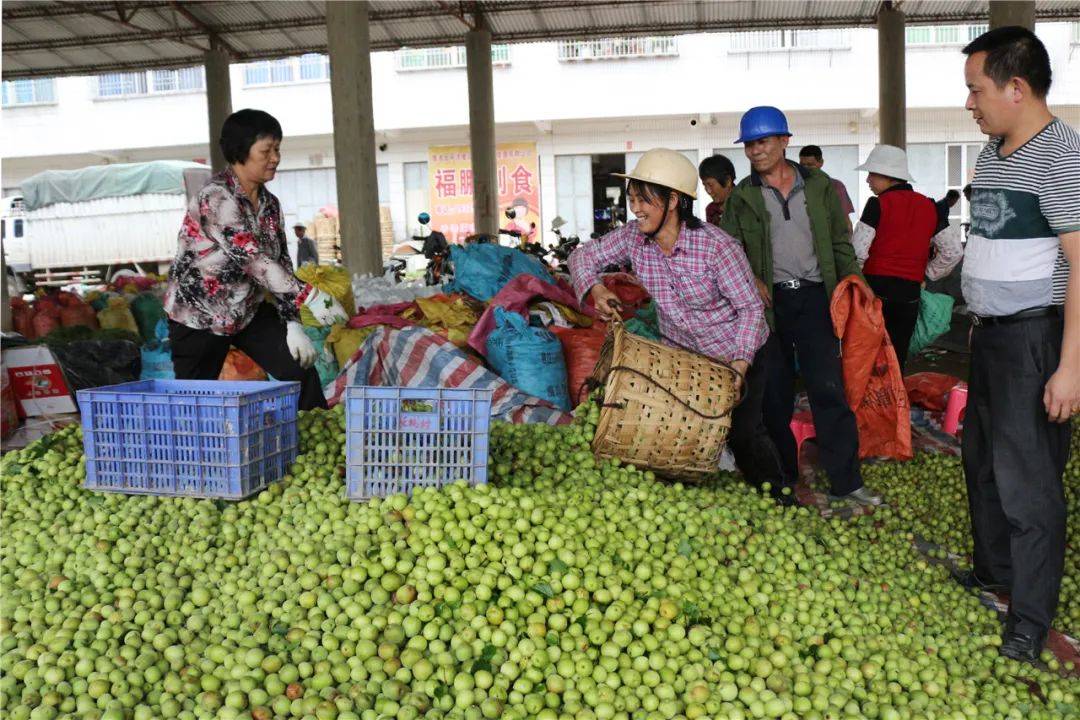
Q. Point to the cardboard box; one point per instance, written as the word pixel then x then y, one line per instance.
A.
pixel 38 382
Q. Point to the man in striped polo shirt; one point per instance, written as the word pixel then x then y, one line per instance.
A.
pixel 1021 282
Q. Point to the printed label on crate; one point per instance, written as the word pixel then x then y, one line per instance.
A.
pixel 420 421
pixel 37 381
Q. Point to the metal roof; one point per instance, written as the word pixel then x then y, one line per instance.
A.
pixel 50 38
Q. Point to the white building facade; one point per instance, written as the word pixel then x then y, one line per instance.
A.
pixel 590 108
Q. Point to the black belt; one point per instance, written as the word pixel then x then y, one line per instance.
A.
pixel 796 284
pixel 983 320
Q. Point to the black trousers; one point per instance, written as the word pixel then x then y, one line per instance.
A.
pixel 804 330
pixel 200 354
pixel 1014 460
pixel 900 307
pixel 755 453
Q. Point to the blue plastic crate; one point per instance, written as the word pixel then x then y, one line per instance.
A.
pixel 190 438
pixel 399 439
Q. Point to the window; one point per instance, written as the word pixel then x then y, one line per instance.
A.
pixel 783 40
pixel 574 194
pixel 190 79
pixel 312 67
pixel 417 197
pixel 617 48
pixel 17 228
pixel 152 82
pixel 29 92
pixel 933 35
pixel 443 58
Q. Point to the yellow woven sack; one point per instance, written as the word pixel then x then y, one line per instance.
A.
pixel 333 279
pixel 346 340
pixel 118 316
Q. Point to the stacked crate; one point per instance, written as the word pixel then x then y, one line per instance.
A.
pixel 327 235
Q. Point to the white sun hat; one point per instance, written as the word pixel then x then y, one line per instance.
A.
pixel 888 160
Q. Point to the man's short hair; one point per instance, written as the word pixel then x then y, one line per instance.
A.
pixel 812 151
pixel 243 129
pixel 717 167
pixel 1014 52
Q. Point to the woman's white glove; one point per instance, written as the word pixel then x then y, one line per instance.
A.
pixel 300 346
pixel 324 307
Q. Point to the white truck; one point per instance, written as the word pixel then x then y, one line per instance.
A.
pixel 72 226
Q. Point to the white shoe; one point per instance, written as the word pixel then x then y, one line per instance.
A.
pixel 862 496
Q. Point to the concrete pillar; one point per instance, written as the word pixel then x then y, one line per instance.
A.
pixel 892 96
pixel 348 38
pixel 1004 13
pixel 218 99
pixel 482 128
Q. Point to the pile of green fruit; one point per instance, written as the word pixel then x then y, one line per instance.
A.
pixel 929 500
pixel 566 589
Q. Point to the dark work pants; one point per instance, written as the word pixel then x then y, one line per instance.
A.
pixel 200 354
pixel 1014 460
pixel 755 453
pixel 804 329
pixel 900 307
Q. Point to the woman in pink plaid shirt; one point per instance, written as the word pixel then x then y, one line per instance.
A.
pixel 703 288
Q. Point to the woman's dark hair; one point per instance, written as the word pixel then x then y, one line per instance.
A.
pixel 1014 51
pixel 717 167
pixel 658 194
pixel 243 129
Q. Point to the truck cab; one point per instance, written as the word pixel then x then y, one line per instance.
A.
pixel 15 233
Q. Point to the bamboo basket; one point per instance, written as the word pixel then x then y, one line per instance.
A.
pixel 664 409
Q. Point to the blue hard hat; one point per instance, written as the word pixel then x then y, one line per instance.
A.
pixel 762 121
pixel 424 218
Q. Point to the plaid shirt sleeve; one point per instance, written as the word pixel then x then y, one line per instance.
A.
pixel 736 283
pixel 590 258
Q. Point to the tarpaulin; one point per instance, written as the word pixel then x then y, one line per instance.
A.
pixel 105 181
pixel 417 357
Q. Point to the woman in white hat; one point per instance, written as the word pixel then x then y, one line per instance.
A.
pixel 893 241
pixel 702 285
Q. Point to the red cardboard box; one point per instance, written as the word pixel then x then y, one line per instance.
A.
pixel 38 382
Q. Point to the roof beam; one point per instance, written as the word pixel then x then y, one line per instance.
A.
pixel 74 42
pixel 50 10
pixel 459 13
pixel 139 33
pixel 215 37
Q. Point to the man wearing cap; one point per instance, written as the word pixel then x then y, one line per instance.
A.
pixel 893 239
pixel 698 277
pixel 792 226
pixel 305 246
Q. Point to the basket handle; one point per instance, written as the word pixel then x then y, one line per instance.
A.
pixel 675 397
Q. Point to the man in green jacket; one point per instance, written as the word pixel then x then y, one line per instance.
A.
pixel 794 231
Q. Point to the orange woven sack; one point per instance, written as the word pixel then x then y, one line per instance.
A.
pixel 872 379
pixel 239 366
pixel 581 350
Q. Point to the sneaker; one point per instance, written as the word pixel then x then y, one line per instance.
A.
pixel 970 581
pixel 862 496
pixel 1020 647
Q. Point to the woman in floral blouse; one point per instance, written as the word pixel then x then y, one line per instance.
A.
pixel 232 282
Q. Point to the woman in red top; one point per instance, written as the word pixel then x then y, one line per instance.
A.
pixel 893 240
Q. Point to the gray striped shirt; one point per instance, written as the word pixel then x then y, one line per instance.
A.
pixel 1020 204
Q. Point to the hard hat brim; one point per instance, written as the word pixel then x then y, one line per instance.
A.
pixel 758 136
pixel 632 176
